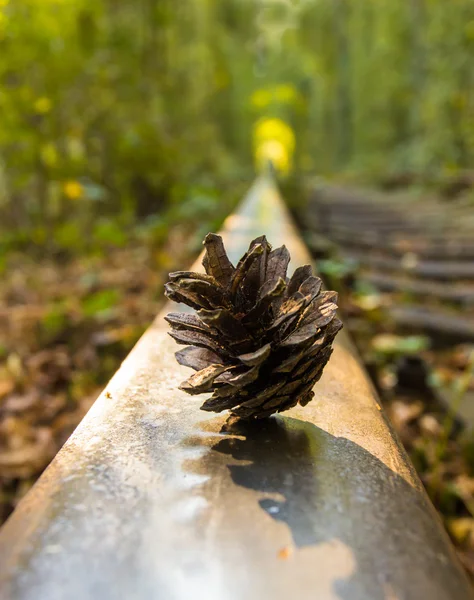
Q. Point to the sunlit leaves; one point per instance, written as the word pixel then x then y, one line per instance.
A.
pixel 49 155
pixel 73 190
pixel 274 140
pixel 284 94
pixel 42 105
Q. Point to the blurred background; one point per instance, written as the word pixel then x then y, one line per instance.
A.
pixel 130 129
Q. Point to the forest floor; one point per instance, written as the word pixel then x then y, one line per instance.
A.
pixel 65 327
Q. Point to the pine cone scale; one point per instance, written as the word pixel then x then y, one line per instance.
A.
pixel 298 278
pixel 202 381
pixel 255 358
pixel 196 358
pixel 200 340
pixel 216 261
pixel 225 323
pixel 187 322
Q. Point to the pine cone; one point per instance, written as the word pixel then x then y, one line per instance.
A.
pixel 259 340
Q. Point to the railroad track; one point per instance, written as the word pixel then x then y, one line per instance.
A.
pixel 421 249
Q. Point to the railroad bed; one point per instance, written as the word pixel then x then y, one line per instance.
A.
pixel 421 249
pixel 417 254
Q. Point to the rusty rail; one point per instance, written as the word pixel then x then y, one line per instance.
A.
pixel 153 498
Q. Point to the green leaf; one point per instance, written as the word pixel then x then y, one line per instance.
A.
pixel 100 304
pixel 109 232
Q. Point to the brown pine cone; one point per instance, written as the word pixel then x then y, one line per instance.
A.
pixel 259 340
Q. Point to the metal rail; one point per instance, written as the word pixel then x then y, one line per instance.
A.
pixel 153 498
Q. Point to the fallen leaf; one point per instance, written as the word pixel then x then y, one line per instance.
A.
pixel 285 553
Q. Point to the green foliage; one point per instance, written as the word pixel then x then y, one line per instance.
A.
pixel 68 236
pixel 388 345
pixel 126 109
pixel 100 305
pixel 54 320
pixel 380 86
pixel 335 269
pixel 109 233
pixel 108 107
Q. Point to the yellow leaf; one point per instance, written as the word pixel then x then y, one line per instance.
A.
pixel 49 155
pixel 261 98
pixel 42 105
pixel 268 129
pixel 274 140
pixel 286 93
pixel 73 190
pixel 274 151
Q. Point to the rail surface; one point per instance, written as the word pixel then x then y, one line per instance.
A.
pixel 153 498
